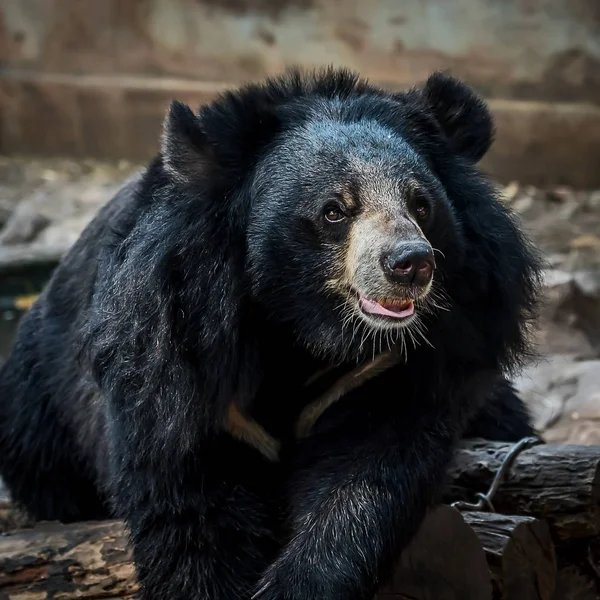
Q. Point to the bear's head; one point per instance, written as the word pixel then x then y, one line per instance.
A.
pixel 352 216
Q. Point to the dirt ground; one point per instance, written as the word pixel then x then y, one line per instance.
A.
pixel 44 205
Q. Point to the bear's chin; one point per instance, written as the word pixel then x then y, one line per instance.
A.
pixel 362 336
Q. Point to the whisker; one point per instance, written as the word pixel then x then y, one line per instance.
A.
pixel 412 337
pixel 404 348
pixel 420 329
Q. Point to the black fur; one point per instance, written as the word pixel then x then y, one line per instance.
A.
pixel 203 281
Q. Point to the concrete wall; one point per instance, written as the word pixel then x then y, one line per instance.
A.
pixel 94 78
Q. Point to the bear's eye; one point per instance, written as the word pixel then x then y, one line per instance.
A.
pixel 422 209
pixel 334 214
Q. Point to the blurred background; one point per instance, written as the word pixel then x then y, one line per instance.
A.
pixel 84 86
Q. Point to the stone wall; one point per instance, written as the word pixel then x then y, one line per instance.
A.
pixel 81 77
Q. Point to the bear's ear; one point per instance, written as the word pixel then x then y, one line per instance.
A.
pixel 462 115
pixel 184 146
pixel 223 140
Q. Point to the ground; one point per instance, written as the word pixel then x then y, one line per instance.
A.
pixel 44 205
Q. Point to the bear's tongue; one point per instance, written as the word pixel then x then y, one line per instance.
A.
pixel 388 308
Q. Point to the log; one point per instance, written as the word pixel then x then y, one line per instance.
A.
pixel 573 584
pixel 469 556
pixel 578 570
pixel 445 561
pixel 520 555
pixel 91 561
pixel 52 561
pixel 558 483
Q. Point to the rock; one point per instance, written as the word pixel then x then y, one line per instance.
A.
pixel 593 200
pixel 538 388
pixel 23 226
pixel 54 208
pixel 586 240
pixel 563 394
pixel 510 191
pixel 571 313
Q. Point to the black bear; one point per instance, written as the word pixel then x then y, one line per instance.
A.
pixel 263 350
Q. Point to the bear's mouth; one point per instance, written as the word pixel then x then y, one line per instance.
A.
pixel 389 308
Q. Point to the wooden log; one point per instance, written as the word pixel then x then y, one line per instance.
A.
pixel 573 584
pixel 445 561
pixel 91 561
pixel 555 482
pixel 578 570
pixel 51 561
pixel 558 483
pixel 520 555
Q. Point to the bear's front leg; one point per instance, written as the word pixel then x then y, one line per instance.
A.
pixel 360 489
pixel 202 526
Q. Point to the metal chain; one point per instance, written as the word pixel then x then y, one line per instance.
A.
pixel 485 500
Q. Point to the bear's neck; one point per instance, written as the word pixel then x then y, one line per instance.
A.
pixel 296 387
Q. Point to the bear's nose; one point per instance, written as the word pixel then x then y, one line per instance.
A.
pixel 409 263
